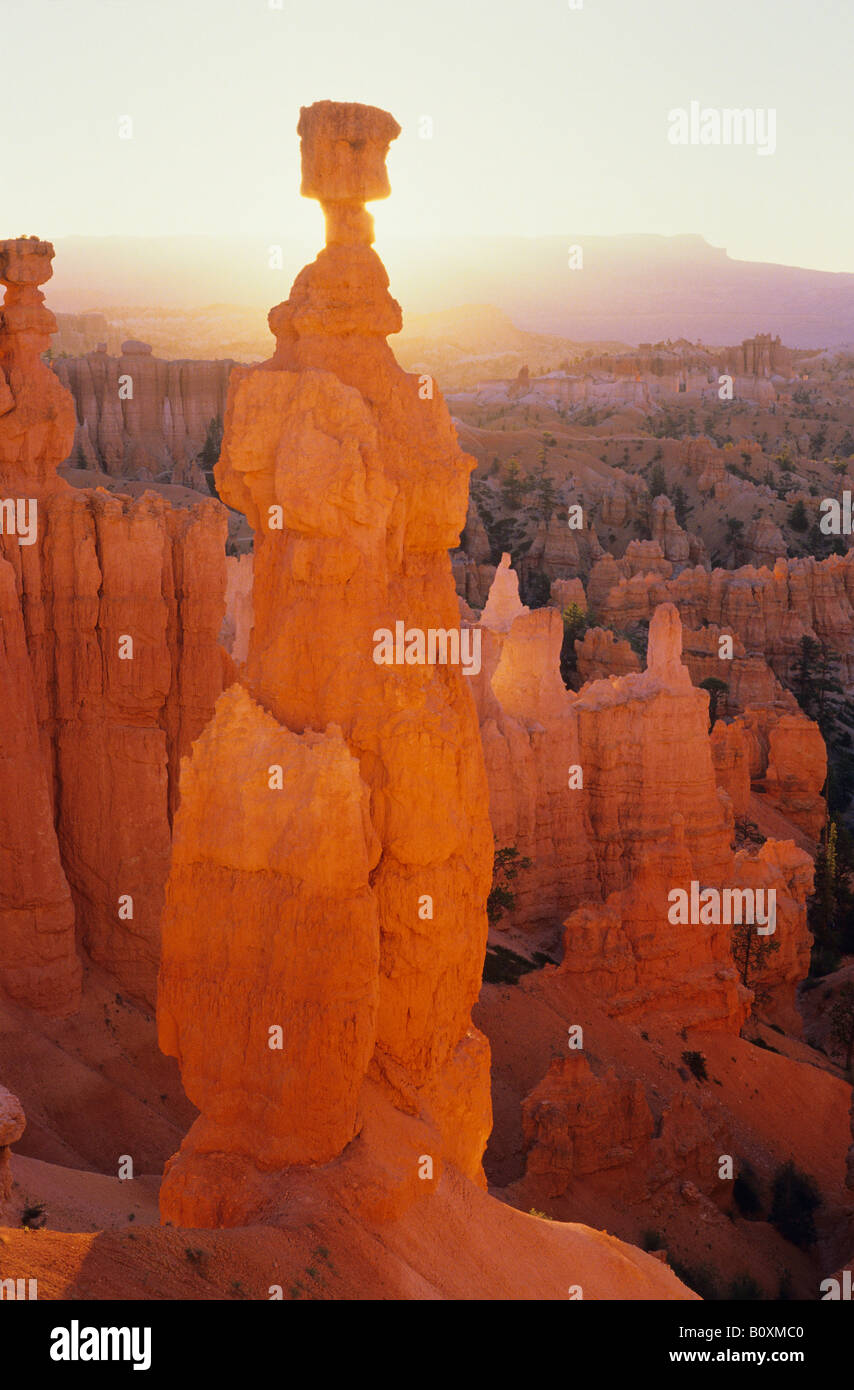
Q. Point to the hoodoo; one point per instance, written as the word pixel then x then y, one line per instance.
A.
pixel 109 667
pixel 343 902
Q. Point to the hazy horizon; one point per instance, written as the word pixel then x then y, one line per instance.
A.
pixel 633 288
pixel 543 119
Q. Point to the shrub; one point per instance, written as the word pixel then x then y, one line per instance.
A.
pixel 657 483
pixel 744 1287
pixel 744 1192
pixel 795 1199
pixel 798 519
pixel 842 1022
pixel 506 866
pixel 696 1064
pixel 825 959
pixel 502 966
pixel 699 1278
pixel 575 624
pixel 536 589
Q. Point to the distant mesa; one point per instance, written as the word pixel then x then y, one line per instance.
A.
pixel 134 348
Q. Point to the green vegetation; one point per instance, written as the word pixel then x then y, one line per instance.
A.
pixel 210 451
pixel 842 1022
pixel 815 679
pixel 575 624
pixel 750 951
pixel 696 1064
pixel 716 689
pixel 507 864
pixel 831 908
pixel 744 1287
pixel 795 1199
pixel 699 1278
pixel 505 967
pixel 657 482
pixel 535 588
pixel 652 1240
pixel 744 1192
pixel 798 519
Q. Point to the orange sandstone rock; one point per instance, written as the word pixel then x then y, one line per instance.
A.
pixel 770 610
pixel 356 489
pixel 290 984
pixel 38 961
pixel 121 604
pixel 36 414
pixel 12 1126
pixel 139 415
pixel 600 654
pixel 731 758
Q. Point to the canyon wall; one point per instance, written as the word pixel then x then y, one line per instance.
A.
pixel 590 786
pixel 139 416
pixel 111 611
pixel 769 610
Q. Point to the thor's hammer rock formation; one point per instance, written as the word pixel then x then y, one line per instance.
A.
pixel 325 916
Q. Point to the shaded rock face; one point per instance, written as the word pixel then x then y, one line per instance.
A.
pixel 36 414
pixel 38 961
pixel 356 489
pixel 788 762
pixel 119 725
pixel 731 757
pixel 600 654
pixel 160 427
pixel 110 616
pixel 763 543
pixel 237 623
pixel 12 1126
pixel 640 743
pixel 748 679
pixel 577 1124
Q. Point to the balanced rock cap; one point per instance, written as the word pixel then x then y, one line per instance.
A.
pixel 343 147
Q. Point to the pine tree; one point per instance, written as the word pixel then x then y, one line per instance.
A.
pixel 512 488
pixel 716 689
pixel 842 1022
pixel 750 951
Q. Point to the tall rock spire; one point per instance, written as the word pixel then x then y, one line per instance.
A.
pixel 37 415
pixel 350 473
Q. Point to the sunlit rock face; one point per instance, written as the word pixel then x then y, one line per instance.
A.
pixel 770 609
pixel 351 476
pixel 111 610
pixel 600 789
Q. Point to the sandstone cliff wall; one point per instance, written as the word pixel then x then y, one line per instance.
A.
pixel 111 611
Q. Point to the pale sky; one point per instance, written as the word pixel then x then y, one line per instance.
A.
pixel 545 119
